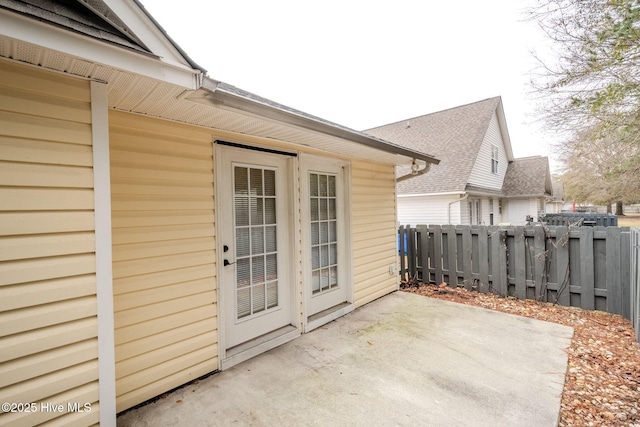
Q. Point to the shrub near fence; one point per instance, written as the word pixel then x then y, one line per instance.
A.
pixel 595 268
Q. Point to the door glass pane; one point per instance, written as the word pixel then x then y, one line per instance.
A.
pixel 272 294
pixel 270 239
pixel 313 185
pixel 270 210
pixel 242 242
pixel 256 240
pixel 242 211
pixel 272 267
pixel 257 210
pixel 241 181
pixel 269 183
pixel 324 236
pixel 258 298
pixel 255 181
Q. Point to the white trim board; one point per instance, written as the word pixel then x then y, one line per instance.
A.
pixel 104 274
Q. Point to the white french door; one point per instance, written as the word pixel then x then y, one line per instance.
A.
pixel 255 228
pixel 325 234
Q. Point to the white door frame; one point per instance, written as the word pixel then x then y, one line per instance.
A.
pixel 274 338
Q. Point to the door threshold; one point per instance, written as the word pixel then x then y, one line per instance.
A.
pixel 328 315
pixel 256 346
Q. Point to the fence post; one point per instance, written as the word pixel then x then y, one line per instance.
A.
pixel 483 256
pixel 504 268
pixel 412 257
pixel 466 257
pixel 520 263
pixel 635 280
pixel 625 271
pixel 587 292
pixel 437 253
pixel 494 239
pixel 539 264
pixel 423 253
pixel 614 283
pixel 452 254
pixel 562 265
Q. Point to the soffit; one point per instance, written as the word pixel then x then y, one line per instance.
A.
pixel 135 93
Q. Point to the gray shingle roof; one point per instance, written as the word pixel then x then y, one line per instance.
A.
pixel 528 177
pixel 75 16
pixel 558 191
pixel 454 136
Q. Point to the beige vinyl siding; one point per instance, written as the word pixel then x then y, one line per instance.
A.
pixel 481 174
pixel 48 323
pixel 374 230
pixel 164 279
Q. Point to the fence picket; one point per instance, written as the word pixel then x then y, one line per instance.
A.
pixel 614 293
pixel 587 291
pixel 562 265
pixel 438 255
pixel 423 255
pixel 411 261
pixel 519 258
pixel 539 264
pixel 494 240
pixel 452 254
pixel 483 257
pixel 467 272
pixel 522 256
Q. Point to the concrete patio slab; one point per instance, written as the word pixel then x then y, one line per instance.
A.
pixel 402 360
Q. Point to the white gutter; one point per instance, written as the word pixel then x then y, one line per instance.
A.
pixel 222 95
pixel 414 171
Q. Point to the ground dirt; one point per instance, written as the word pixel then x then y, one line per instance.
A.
pixel 602 383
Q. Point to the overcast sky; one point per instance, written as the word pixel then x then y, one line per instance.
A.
pixel 366 63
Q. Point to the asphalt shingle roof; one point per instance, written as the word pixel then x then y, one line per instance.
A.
pixel 454 136
pixel 528 176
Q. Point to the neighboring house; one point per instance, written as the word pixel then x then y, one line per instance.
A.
pixel 556 204
pixel 157 225
pixel 478 181
pixel 527 187
pixel 474 149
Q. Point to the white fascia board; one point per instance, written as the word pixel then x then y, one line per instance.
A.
pixel 502 121
pixel 147 31
pixel 450 193
pixel 48 36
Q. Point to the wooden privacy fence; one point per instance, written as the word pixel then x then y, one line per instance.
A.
pixel 595 268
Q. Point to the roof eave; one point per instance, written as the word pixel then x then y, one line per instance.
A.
pixel 218 96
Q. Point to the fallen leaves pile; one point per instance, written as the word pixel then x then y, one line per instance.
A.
pixel 602 383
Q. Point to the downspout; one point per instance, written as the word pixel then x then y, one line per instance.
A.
pixel 466 196
pixel 415 171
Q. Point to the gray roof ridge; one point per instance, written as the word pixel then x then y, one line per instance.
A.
pixel 535 156
pixel 436 112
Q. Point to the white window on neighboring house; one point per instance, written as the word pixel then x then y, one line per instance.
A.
pixel 494 159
